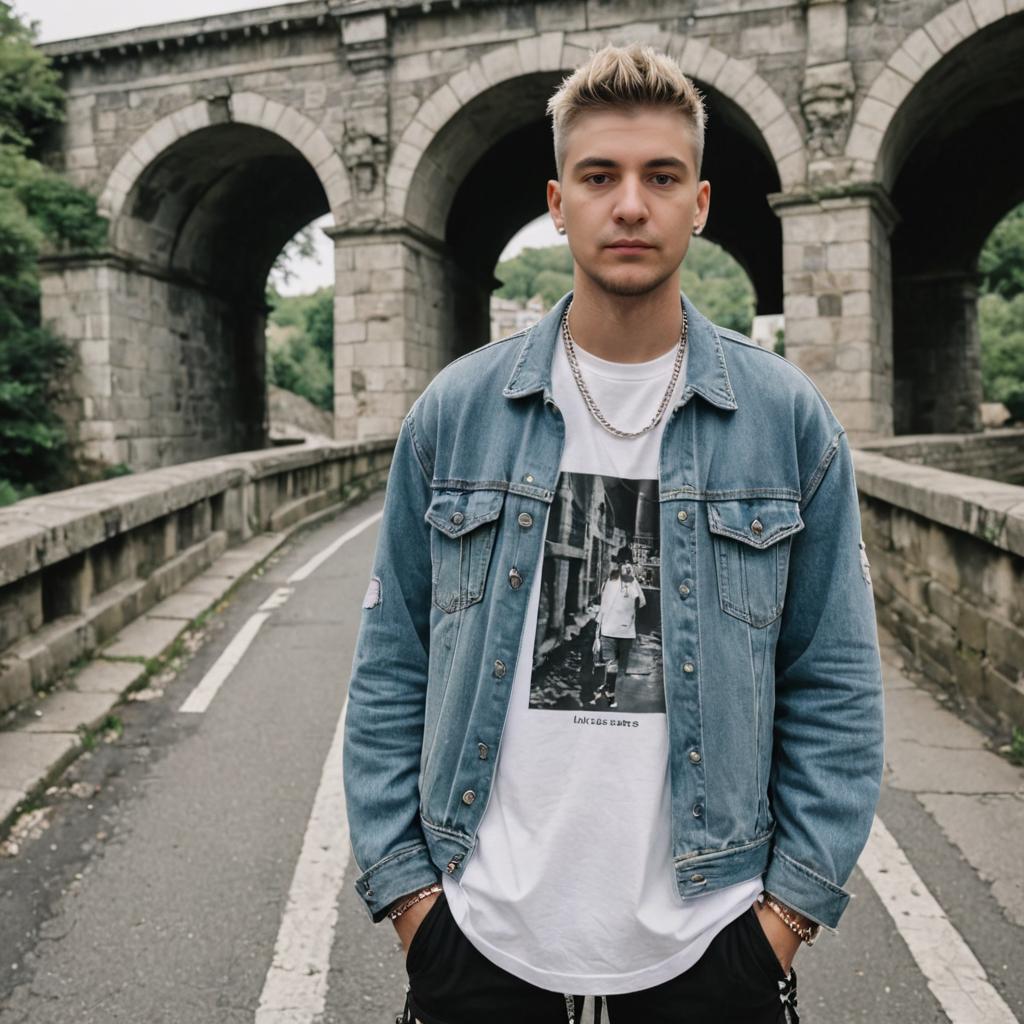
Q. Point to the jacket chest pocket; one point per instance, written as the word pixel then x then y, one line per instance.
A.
pixel 464 526
pixel 751 538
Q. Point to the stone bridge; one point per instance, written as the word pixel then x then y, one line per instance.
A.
pixel 851 149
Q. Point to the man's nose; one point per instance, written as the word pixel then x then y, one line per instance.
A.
pixel 631 204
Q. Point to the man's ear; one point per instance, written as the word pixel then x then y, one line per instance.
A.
pixel 554 197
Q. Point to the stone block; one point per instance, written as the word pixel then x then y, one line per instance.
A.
pixel 144 638
pixel 783 137
pixel 987 11
pixel 65 711
pixel 943 32
pixel 27 758
pixel 921 47
pixel 875 113
pixel 1004 645
pixel 107 677
pixel 890 87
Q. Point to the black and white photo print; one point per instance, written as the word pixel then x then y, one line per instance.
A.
pixel 598 640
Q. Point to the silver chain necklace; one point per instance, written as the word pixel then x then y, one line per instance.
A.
pixel 577 373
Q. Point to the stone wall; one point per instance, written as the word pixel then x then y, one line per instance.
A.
pixel 78 565
pixel 164 372
pixel 991 454
pixel 947 565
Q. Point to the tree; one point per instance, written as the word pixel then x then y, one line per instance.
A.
pixel 1001 314
pixel 40 212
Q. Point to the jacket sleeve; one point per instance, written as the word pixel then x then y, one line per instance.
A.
pixel 828 753
pixel 387 694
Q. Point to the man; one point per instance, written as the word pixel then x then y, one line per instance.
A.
pixel 621 597
pixel 669 862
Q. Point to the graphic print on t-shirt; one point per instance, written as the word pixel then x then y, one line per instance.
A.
pixel 598 640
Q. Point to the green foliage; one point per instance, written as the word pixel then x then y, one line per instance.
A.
pixel 1001 314
pixel 546 272
pixel 709 275
pixel 1001 263
pixel 30 95
pixel 39 212
pixel 304 362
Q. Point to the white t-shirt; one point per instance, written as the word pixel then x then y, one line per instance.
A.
pixel 571 886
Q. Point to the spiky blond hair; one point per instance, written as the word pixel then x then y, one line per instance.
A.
pixel 625 77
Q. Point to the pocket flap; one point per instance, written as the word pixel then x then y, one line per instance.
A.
pixel 759 522
pixel 457 512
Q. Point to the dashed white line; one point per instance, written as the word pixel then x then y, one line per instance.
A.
pixel 199 699
pixel 206 689
pixel 953 973
pixel 317 560
pixel 295 988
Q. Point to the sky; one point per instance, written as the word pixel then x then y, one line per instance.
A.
pixel 69 19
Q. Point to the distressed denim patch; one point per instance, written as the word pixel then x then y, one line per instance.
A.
pixel 372 597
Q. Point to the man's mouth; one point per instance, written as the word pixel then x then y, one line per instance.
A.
pixel 630 247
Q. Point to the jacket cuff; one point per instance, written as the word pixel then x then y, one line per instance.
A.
pixel 805 890
pixel 398 874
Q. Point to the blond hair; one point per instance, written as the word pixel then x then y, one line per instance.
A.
pixel 625 76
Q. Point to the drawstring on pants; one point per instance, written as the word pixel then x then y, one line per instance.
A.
pixel 570 1008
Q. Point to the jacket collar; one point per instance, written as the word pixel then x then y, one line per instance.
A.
pixel 706 373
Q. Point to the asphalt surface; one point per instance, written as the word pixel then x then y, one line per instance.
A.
pixel 156 889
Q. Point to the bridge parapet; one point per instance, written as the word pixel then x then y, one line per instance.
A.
pixel 78 565
pixel 947 567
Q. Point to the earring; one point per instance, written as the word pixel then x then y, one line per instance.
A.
pixel 698 229
pixel 561 231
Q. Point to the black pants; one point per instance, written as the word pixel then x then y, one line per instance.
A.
pixel 738 980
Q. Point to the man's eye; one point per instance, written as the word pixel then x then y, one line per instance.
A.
pixel 669 176
pixel 593 176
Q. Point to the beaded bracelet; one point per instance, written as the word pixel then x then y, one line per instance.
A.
pixel 406 904
pixel 808 932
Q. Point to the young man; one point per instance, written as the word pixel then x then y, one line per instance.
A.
pixel 671 861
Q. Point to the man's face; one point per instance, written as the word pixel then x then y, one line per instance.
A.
pixel 629 176
pixel 627 571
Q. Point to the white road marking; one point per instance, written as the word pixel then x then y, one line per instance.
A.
pixel 954 975
pixel 295 988
pixel 317 560
pixel 199 699
pixel 276 599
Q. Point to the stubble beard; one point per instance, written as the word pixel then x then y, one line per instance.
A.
pixel 641 286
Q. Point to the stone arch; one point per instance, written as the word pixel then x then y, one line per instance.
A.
pixel 248 108
pixel 869 143
pixel 553 52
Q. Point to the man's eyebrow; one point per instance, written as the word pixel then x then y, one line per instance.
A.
pixel 602 161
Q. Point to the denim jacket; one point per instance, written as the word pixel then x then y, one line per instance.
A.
pixel 772 675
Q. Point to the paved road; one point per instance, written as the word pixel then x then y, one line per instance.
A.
pixel 157 889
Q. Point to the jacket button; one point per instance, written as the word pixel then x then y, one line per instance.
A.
pixel 525 520
pixel 482 747
pixel 681 515
pixel 515 579
pixel 695 756
pixel 468 797
pixel 757 526
pixel 697 879
pixel 684 589
pixel 698 809
pixel 499 668
pixel 458 518
pixel 528 478
pixel 687 666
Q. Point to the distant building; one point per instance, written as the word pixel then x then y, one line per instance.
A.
pixel 765 327
pixel 508 316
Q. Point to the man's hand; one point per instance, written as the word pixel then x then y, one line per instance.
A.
pixel 409 921
pixel 782 938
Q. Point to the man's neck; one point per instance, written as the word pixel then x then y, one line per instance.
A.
pixel 625 328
